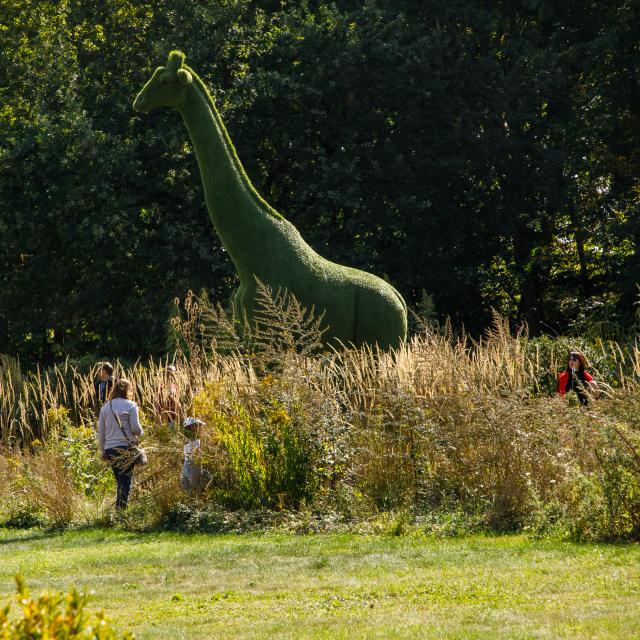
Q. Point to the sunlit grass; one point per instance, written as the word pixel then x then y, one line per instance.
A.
pixel 340 586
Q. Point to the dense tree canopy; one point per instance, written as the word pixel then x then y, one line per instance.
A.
pixel 487 153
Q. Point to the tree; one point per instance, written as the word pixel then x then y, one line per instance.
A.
pixel 486 153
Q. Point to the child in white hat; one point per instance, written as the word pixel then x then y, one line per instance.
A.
pixel 193 476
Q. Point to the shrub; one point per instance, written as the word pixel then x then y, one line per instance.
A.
pixel 241 440
pixel 269 457
pixel 79 449
pixel 273 444
pixel 53 617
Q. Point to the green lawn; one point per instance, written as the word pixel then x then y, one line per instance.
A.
pixel 337 586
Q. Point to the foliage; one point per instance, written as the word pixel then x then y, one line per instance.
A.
pixel 487 155
pixel 241 440
pixel 41 489
pixel 445 426
pixel 264 460
pixel 50 617
pixel 82 459
pixel 200 328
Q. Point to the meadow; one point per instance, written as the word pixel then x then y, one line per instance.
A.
pixel 172 586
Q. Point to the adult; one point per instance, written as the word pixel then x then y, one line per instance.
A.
pixel 104 383
pixel 118 431
pixel 168 401
pixel 576 378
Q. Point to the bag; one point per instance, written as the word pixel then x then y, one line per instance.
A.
pixel 139 454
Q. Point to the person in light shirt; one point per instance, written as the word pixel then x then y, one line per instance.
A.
pixel 576 378
pixel 118 431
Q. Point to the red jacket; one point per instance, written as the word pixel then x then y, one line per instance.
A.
pixel 563 378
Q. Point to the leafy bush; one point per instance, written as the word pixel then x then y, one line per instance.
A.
pixel 240 438
pixel 81 454
pixel 264 454
pixel 54 617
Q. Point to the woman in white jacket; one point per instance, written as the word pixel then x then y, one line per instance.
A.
pixel 118 431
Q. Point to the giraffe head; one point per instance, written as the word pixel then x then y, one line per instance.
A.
pixel 167 86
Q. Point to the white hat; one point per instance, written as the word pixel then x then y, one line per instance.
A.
pixel 189 422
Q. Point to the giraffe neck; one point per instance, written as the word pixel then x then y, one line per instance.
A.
pixel 240 216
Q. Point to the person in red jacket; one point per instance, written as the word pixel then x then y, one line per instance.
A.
pixel 575 377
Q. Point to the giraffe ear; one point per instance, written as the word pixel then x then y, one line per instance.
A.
pixel 176 60
pixel 184 77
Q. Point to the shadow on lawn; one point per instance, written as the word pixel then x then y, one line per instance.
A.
pixel 31 536
pixel 89 534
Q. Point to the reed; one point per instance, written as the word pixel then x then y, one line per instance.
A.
pixel 444 423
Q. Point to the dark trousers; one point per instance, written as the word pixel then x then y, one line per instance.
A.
pixel 122 465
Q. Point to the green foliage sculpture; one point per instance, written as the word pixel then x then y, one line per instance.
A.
pixel 358 307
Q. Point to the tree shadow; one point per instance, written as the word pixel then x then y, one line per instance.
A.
pixel 31 536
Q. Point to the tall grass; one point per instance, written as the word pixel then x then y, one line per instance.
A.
pixel 444 425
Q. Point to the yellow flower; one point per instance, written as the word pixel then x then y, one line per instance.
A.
pixel 280 416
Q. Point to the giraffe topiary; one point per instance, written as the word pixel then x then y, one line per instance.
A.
pixel 359 308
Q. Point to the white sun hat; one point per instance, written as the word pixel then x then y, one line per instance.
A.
pixel 190 421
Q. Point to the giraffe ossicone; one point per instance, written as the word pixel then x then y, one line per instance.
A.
pixel 359 307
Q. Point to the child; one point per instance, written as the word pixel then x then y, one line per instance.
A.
pixel 194 477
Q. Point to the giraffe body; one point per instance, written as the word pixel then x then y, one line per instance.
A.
pixel 359 307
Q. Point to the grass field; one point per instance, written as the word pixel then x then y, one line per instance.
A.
pixel 166 585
